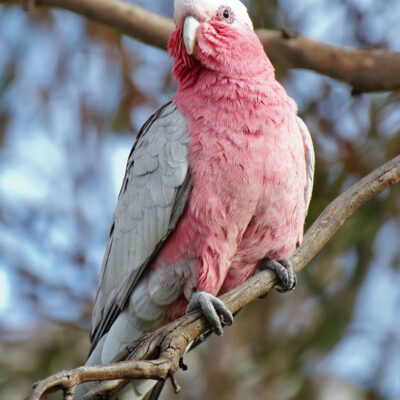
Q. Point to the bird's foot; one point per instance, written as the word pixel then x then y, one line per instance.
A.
pixel 212 308
pixel 285 272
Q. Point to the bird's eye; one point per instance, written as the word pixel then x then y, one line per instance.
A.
pixel 225 13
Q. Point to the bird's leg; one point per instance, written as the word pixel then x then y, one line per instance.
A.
pixel 212 308
pixel 285 272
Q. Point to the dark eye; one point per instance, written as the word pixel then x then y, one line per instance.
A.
pixel 225 13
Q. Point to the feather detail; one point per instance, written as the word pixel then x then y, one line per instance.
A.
pixel 145 209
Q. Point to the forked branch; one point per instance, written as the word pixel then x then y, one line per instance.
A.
pixel 156 355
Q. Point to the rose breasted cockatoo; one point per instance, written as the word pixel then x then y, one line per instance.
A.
pixel 217 184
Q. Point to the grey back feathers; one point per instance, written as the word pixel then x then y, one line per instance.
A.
pixel 310 161
pixel 152 199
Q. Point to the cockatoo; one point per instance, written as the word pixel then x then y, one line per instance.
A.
pixel 217 184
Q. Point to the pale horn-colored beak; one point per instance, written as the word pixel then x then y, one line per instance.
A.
pixel 189 33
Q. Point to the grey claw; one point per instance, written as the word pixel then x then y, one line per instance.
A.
pixel 212 308
pixel 285 272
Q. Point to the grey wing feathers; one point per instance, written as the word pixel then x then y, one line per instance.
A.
pixel 152 198
pixel 310 160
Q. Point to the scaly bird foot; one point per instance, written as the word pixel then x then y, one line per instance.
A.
pixel 212 308
pixel 285 272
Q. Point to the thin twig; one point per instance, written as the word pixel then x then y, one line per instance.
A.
pixel 174 382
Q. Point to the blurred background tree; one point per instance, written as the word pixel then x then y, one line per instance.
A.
pixel 73 94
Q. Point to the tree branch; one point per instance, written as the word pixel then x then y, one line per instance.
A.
pixel 364 70
pixel 156 355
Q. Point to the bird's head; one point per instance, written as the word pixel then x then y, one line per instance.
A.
pixel 215 35
pixel 221 16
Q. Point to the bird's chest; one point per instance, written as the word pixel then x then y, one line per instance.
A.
pixel 238 175
pixel 228 176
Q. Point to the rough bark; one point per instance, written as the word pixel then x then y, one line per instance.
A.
pixel 364 70
pixel 156 355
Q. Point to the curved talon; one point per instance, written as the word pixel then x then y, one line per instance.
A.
pixel 212 308
pixel 285 272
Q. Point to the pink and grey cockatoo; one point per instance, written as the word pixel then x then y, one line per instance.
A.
pixel 217 184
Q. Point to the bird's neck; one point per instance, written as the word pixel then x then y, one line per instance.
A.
pixel 258 99
pixel 234 103
pixel 245 61
pixel 241 83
